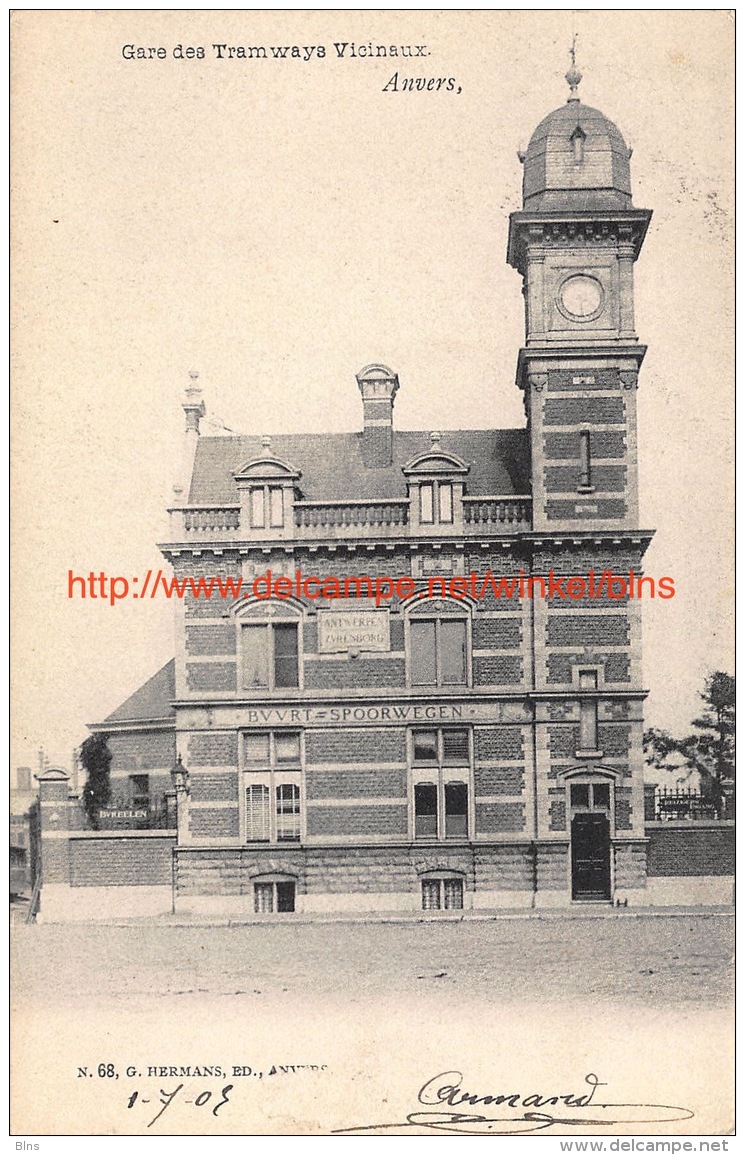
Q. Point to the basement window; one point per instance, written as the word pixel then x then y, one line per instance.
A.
pixel 274 897
pixel 442 894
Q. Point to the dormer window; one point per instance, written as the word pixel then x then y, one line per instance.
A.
pixel 445 496
pixel 426 502
pixel 267 507
pixel 436 482
pixel 268 488
pixel 577 140
pixel 435 502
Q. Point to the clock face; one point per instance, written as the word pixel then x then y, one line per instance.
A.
pixel 581 297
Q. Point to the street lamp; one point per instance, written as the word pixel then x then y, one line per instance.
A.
pixel 180 777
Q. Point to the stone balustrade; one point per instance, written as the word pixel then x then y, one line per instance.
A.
pixel 206 521
pixel 351 519
pixel 501 513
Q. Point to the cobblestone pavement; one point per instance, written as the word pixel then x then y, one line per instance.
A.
pixel 685 960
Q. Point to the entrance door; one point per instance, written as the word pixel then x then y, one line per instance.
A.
pixel 591 856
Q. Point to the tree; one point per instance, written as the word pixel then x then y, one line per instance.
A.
pixel 709 750
pixel 96 759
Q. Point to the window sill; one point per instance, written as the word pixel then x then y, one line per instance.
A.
pixel 448 840
pixel 588 753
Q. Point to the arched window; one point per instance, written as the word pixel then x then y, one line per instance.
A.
pixel 438 644
pixel 269 648
pixel 274 894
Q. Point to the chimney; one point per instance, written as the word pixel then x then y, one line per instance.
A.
pixel 378 386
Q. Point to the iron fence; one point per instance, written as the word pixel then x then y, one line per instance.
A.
pixel 684 805
pixel 155 814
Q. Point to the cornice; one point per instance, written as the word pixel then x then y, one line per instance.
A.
pixel 457 544
pixel 559 229
pixel 150 724
pixel 576 354
pixel 361 546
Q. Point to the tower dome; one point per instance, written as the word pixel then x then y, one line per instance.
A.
pixel 576 160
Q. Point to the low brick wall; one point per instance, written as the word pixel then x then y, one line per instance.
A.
pixel 104 875
pixel 115 859
pixel 690 849
pixel 690 863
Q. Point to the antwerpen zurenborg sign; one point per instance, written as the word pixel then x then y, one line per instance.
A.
pixel 353 630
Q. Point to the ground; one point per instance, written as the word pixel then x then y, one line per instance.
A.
pixel 379 1006
pixel 649 960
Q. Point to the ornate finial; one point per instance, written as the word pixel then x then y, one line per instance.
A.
pixel 266 443
pixel 435 438
pixel 193 390
pixel 573 76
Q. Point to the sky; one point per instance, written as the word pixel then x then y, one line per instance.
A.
pixel 277 224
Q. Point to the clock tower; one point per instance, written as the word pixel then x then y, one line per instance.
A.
pixel 575 243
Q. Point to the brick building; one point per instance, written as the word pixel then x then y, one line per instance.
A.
pixel 453 746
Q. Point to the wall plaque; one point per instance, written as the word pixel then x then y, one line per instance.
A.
pixel 353 630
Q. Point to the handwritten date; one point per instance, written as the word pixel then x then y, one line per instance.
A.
pixel 203 1099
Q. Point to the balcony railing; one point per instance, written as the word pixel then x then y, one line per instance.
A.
pixel 506 513
pixel 351 518
pixel 201 519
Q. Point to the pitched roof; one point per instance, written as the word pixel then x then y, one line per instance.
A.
pixel 152 701
pixel 333 469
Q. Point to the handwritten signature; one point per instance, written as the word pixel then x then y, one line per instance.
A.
pixel 446 1089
